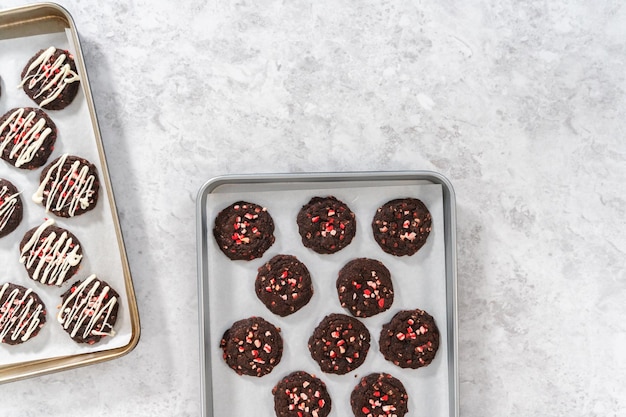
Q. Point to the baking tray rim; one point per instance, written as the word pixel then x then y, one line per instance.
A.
pixel 449 203
pixel 23 370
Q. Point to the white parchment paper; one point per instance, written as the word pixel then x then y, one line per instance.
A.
pixel 419 282
pixel 94 229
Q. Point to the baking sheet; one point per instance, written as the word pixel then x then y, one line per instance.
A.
pixel 420 281
pixel 95 229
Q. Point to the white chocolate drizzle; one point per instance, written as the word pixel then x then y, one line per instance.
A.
pixel 53 76
pixel 71 190
pixel 87 305
pixel 26 134
pixel 18 315
pixel 53 255
pixel 8 202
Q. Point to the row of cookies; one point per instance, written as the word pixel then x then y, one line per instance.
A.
pixel 69 187
pixel 303 394
pixel 339 343
pixel 364 286
pixel 244 230
pixel 87 312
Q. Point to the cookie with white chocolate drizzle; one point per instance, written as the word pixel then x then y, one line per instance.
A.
pixel 27 137
pixel 68 186
pixel 11 210
pixel 51 254
pixel 50 78
pixel 88 310
pixel 22 314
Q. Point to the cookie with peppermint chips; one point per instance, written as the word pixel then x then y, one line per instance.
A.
pixel 252 346
pixel 88 310
pixel 364 287
pixel 27 137
pixel 69 186
pixel 50 254
pixel 379 395
pixel 50 78
pixel 326 225
pixel 410 339
pixel 11 209
pixel 339 344
pixel 301 394
pixel 401 226
pixel 284 285
pixel 244 231
pixel 22 314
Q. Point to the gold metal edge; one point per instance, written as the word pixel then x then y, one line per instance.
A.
pixel 32 19
pixel 16 19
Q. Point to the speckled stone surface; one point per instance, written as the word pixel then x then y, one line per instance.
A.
pixel 519 103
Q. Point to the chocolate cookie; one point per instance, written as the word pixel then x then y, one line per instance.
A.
pixel 68 186
pixel 326 225
pixel 401 226
pixel 284 285
pixel 339 344
pixel 244 231
pixel 11 210
pixel 300 394
pixel 50 78
pixel 22 314
pixel 252 346
pixel 51 254
pixel 88 310
pixel 410 339
pixel 364 287
pixel 27 137
pixel 378 395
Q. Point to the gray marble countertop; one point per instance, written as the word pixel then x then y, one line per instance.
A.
pixel 520 104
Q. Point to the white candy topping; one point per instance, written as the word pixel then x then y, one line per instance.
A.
pixel 7 205
pixel 54 77
pixel 16 316
pixel 52 256
pixel 26 134
pixel 70 190
pixel 87 305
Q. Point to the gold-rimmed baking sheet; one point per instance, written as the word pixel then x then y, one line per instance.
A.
pixel 23 32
